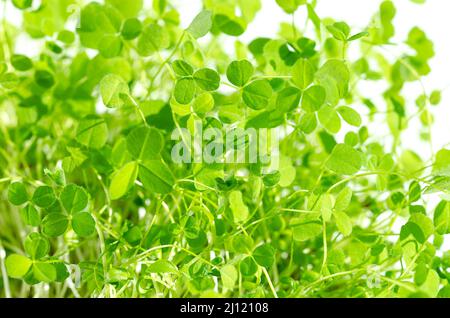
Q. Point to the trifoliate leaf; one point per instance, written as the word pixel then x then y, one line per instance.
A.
pixel 339 30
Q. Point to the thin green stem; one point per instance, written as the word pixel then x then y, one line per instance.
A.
pixel 4 273
pixel 269 281
pixel 163 64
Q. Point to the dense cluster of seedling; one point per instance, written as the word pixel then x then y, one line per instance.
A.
pixel 93 205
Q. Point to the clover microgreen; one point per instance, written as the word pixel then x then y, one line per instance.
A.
pixel 94 205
